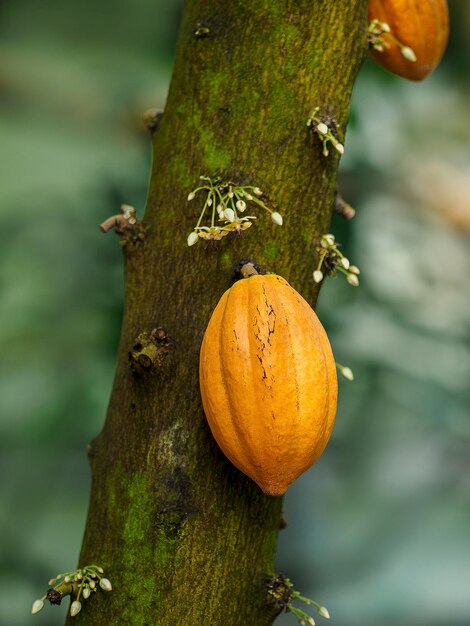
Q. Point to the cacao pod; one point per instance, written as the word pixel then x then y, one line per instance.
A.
pixel 422 25
pixel 268 381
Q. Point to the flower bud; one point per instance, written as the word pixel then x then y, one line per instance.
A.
pixel 345 263
pixel 317 276
pixel 323 611
pixel 322 128
pixel 408 53
pixel 37 606
pixel 192 238
pixel 86 592
pixel 229 215
pixel 75 608
pixel 277 218
pixel 329 239
pixel 348 374
pixel 354 270
pixel 353 280
pixel 339 147
pixel 105 584
pixel 241 205
pixel 191 196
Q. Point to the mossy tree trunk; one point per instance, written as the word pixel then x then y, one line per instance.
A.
pixel 185 537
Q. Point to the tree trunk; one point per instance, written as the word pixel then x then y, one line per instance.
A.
pixel 185 538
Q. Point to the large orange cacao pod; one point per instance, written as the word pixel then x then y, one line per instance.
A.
pixel 268 381
pixel 422 25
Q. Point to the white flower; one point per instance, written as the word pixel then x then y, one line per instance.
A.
pixel 329 239
pixel 353 280
pixel 241 205
pixel 75 608
pixel 408 53
pixel 354 270
pixel 345 263
pixel 191 196
pixel 257 191
pixel 339 147
pixel 323 611
pixel 105 584
pixel 277 218
pixel 317 276
pixel 67 579
pixel 37 606
pixel 86 592
pixel 192 238
pixel 322 128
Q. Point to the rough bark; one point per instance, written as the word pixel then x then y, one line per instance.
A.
pixel 183 535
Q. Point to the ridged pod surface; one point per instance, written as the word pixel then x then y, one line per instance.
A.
pixel 268 381
pixel 422 25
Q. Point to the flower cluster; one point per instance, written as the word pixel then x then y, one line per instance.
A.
pixel 283 593
pixel 325 129
pixel 226 202
pixel 332 261
pixel 380 36
pixel 79 584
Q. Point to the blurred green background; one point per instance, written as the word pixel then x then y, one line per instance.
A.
pixel 379 530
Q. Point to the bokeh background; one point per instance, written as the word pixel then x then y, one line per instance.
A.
pixel 379 531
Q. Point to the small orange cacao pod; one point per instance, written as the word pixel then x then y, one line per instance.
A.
pixel 268 381
pixel 422 25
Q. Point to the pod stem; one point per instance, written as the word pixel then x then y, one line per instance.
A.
pixel 247 268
